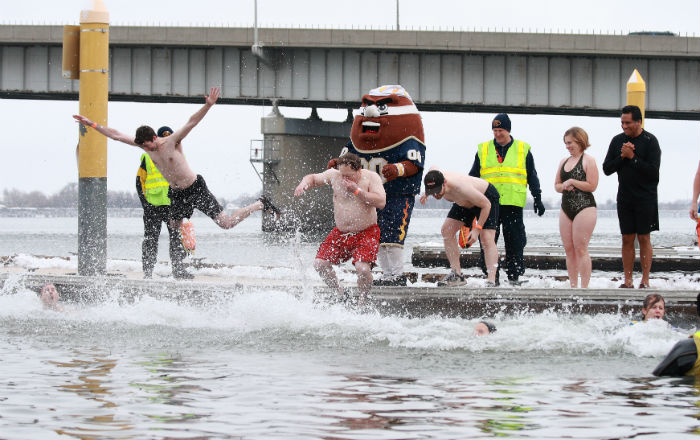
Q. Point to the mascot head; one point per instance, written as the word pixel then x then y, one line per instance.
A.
pixel 387 118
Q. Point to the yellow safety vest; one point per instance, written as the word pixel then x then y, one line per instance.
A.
pixel 155 187
pixel 510 176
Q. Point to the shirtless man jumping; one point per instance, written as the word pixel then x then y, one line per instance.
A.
pixel 357 194
pixel 188 190
pixel 472 197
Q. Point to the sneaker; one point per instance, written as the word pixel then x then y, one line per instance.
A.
pixel 268 206
pixel 491 284
pixel 182 275
pixel 452 280
pixel 395 281
pixel 517 282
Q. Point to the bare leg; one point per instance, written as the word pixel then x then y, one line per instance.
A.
pixel 645 254
pixel 566 232
pixel 325 269
pixel 488 243
pixel 449 237
pixel 364 278
pixel 628 257
pixel 227 221
pixel 582 230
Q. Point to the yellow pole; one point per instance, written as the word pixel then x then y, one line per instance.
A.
pixel 92 146
pixel 636 92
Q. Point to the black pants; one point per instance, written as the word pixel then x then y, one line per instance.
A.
pixel 511 219
pixel 153 217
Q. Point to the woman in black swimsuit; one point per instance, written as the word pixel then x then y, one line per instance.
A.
pixel 576 180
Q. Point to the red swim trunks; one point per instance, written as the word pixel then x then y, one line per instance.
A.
pixel 339 246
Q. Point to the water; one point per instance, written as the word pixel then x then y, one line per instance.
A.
pixel 266 364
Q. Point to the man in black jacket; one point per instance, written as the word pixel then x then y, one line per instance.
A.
pixel 635 156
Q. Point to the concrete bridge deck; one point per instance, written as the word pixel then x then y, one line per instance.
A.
pixel 403 301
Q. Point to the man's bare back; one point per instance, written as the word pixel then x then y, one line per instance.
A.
pixel 464 190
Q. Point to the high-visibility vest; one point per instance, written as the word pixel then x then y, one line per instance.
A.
pixel 510 176
pixel 155 187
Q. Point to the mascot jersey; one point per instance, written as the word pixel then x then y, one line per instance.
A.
pixel 388 137
pixel 410 150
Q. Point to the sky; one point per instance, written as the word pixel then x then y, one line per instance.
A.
pixel 44 132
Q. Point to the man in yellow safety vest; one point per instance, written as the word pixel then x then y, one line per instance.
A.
pixel 152 189
pixel 508 164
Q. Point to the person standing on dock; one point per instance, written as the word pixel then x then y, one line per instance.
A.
pixel 508 164
pixel 635 156
pixel 696 194
pixel 187 189
pixel 471 198
pixel 357 194
pixel 152 189
pixel 578 213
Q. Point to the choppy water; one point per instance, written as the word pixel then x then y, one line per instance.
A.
pixel 266 364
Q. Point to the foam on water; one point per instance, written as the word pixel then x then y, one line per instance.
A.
pixel 269 313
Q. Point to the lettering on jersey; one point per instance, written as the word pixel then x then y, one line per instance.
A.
pixel 375 165
pixel 414 155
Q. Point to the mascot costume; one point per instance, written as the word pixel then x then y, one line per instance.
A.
pixel 388 137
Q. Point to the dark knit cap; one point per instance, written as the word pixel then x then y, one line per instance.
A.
pixel 501 121
pixel 489 325
pixel 163 129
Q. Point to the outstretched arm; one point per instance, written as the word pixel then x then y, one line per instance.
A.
pixel 313 180
pixel 210 100
pixel 109 132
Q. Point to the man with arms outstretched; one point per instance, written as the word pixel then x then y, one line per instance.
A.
pixel 187 189
pixel 357 194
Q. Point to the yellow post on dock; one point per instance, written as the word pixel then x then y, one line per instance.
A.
pixel 93 73
pixel 636 92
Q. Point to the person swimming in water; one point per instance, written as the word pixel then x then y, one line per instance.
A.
pixel 49 297
pixel 653 307
pixel 483 328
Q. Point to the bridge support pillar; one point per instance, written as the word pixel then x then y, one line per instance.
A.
pixel 293 149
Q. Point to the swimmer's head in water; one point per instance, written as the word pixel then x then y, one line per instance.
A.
pixel 49 296
pixel 654 307
pixel 484 328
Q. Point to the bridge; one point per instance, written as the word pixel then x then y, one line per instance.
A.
pixel 444 71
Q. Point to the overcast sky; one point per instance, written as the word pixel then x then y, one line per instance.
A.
pixel 39 137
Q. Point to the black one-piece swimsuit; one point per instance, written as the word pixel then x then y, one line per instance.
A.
pixel 575 201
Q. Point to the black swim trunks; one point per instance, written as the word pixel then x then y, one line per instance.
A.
pixel 638 218
pixel 466 215
pixel 184 201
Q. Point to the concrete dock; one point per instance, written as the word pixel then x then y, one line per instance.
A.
pixel 553 257
pixel 403 301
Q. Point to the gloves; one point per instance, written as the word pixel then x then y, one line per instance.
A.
pixel 390 171
pixel 333 163
pixel 539 206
